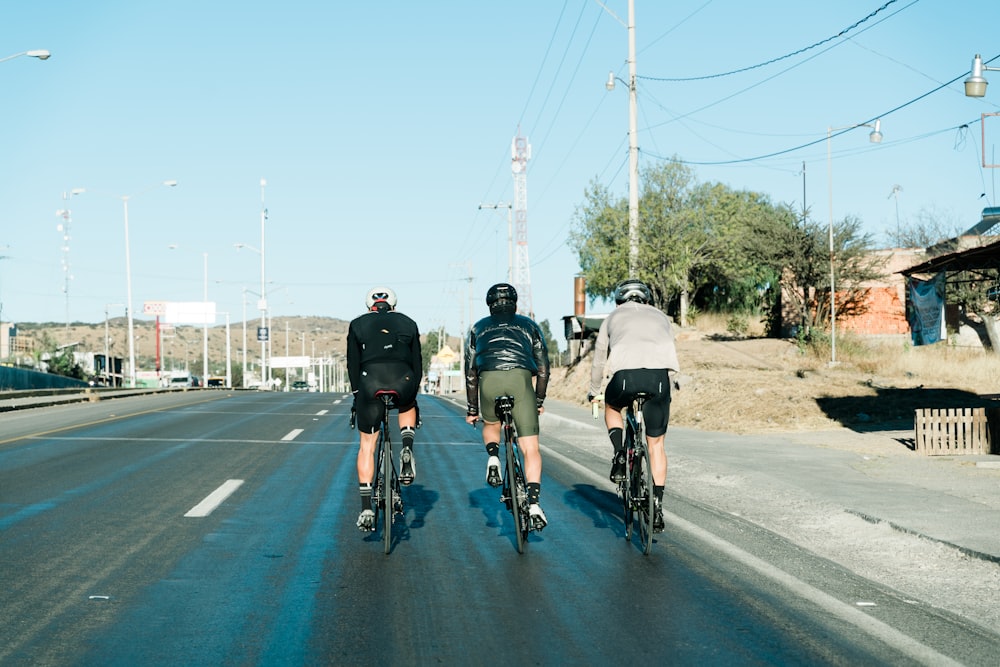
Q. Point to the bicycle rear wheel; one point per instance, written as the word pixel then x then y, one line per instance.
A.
pixel 646 503
pixel 518 494
pixel 625 491
pixel 388 483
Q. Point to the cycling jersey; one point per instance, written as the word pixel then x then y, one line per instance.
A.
pixel 383 352
pixel 504 342
pixel 634 335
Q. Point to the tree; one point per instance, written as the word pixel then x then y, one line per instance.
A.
pixel 429 347
pixel 727 248
pixel 930 227
pixel 550 342
pixel 693 239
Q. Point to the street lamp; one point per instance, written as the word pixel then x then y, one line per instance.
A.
pixel 510 235
pixel 41 54
pixel 128 288
pixel 263 333
pixel 204 314
pixel 975 85
pixel 633 147
pixel 875 137
pixel 63 228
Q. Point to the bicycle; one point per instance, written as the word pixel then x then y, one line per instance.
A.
pixel 514 493
pixel 636 489
pixel 386 497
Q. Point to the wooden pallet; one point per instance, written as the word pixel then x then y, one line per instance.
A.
pixel 956 431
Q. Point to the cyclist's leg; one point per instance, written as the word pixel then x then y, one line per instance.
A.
pixel 657 460
pixel 489 389
pixel 408 411
pixel 656 417
pixel 614 400
pixel 369 414
pixel 526 422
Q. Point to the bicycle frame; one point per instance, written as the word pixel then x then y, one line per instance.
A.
pixel 636 491
pixel 514 493
pixel 386 487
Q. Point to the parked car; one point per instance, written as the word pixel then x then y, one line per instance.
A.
pixel 300 385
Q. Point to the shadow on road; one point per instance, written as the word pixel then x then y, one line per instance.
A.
pixel 603 507
pixel 892 408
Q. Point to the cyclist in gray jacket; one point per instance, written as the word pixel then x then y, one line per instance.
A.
pixel 635 346
pixel 506 354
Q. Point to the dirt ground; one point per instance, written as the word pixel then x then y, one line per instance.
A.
pixel 762 385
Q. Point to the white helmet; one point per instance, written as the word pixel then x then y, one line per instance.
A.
pixel 379 294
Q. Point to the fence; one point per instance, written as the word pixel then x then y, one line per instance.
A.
pixel 957 431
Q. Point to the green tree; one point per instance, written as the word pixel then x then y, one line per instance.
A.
pixel 724 248
pixel 550 342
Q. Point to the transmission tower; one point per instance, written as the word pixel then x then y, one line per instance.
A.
pixel 520 154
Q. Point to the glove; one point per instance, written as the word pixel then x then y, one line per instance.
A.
pixel 590 397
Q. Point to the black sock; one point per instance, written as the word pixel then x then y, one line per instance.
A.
pixel 534 490
pixel 616 436
pixel 366 496
pixel 407 434
pixel 493 448
pixel 658 492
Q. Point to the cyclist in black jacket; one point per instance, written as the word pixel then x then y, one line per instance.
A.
pixel 504 352
pixel 383 352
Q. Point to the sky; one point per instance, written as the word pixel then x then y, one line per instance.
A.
pixel 382 129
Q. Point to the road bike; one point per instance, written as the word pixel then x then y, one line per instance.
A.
pixel 514 493
pixel 636 489
pixel 386 497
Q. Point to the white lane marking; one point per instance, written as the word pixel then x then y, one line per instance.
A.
pixel 214 499
pixel 294 433
pixel 920 653
pixel 322 412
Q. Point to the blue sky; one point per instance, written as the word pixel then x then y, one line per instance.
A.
pixel 381 127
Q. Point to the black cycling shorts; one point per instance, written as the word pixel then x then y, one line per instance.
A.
pixel 392 375
pixel 625 384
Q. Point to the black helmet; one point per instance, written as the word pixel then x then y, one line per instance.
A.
pixel 633 290
pixel 501 296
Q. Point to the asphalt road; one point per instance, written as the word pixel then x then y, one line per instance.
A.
pixel 120 546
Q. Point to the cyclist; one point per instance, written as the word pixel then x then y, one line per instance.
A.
pixel 503 353
pixel 383 352
pixel 636 347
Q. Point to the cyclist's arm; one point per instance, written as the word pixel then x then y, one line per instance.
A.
pixel 599 359
pixel 471 376
pixel 541 354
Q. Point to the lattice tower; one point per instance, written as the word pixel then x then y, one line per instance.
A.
pixel 520 154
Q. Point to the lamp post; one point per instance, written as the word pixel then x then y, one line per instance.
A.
pixel 633 147
pixel 510 235
pixel 63 228
pixel 108 375
pixel 41 54
pixel 204 314
pixel 896 189
pixel 875 136
pixel 264 336
pixel 128 289
pixel 975 85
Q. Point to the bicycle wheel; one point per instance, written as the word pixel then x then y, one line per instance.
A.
pixel 521 495
pixel 389 483
pixel 377 486
pixel 625 491
pixel 625 488
pixel 647 503
pixel 515 480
